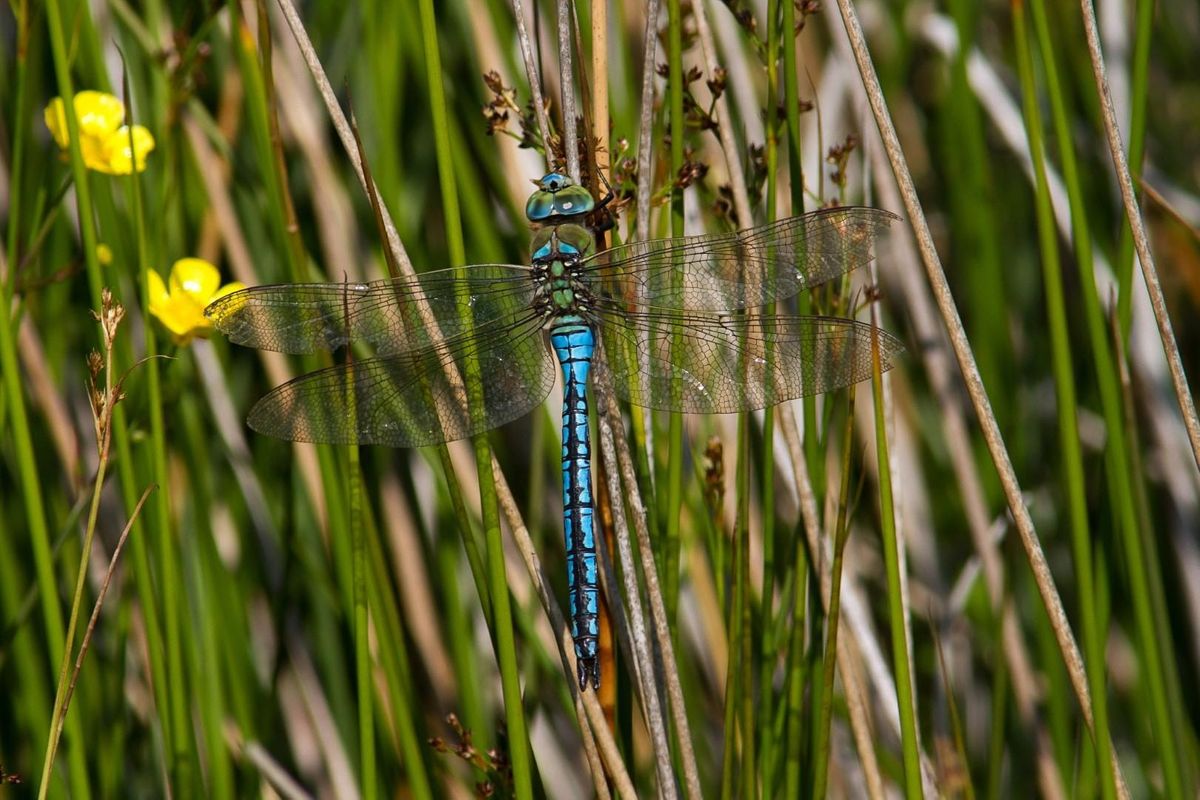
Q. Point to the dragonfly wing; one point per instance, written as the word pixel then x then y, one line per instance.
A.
pixel 721 364
pixel 415 398
pixel 392 316
pixel 742 269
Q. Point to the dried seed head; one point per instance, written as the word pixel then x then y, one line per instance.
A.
pixel 110 316
pixel 716 84
pixel 491 79
pixel 95 364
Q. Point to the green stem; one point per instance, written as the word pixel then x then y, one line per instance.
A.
pixel 1139 84
pixel 737 677
pixel 519 746
pixel 103 426
pixel 797 677
pixel 362 652
pixel 767 647
pixel 184 755
pixel 1158 655
pixel 674 488
pixel 842 535
pixel 899 630
pixel 393 659
pixel 1093 637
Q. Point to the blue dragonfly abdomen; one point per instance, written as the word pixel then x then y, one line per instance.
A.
pixel 574 343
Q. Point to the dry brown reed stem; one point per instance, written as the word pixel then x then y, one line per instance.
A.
pixel 647 673
pixel 617 618
pixel 600 85
pixel 531 70
pixel 306 707
pixel 1006 117
pixel 1158 302
pixel 337 230
pixel 342 126
pixel 108 575
pixel 41 385
pixel 1148 361
pixel 645 173
pixel 645 162
pixel 966 361
pixel 610 413
pixel 613 441
pixel 271 770
pixel 607 402
pixel 567 85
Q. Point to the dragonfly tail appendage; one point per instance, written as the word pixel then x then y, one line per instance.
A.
pixel 574 344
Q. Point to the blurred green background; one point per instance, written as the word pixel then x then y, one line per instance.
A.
pixel 288 620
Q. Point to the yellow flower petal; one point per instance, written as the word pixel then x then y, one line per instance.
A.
pixel 195 277
pixel 99 113
pixel 94 155
pixel 119 155
pixel 179 304
pixel 157 291
pixel 183 317
pixel 56 120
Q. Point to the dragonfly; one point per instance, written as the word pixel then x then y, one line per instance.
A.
pixel 456 352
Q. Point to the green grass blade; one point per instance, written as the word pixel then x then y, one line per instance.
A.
pixel 1158 654
pixel 1064 382
pixel 899 630
pixel 503 629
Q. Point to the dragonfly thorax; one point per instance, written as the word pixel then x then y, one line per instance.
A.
pixel 558 254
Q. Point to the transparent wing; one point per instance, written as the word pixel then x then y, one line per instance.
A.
pixel 721 364
pixel 743 269
pixel 392 315
pixel 410 399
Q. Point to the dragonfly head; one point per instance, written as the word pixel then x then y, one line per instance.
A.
pixel 558 196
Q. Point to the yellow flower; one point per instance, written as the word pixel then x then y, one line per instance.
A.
pixel 99 114
pixel 179 302
pixel 103 138
pixel 119 153
pixel 104 254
